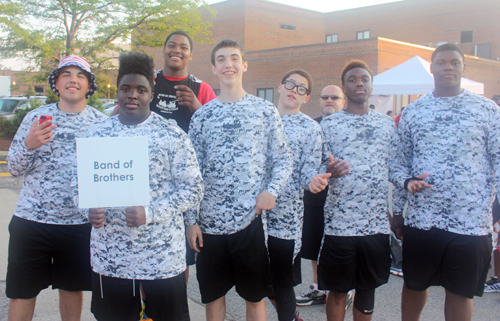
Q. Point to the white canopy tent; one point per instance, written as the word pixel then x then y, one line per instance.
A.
pixel 414 77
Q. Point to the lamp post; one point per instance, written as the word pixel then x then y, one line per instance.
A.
pixel 109 86
pixel 14 84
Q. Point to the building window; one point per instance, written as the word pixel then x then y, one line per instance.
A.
pixel 483 51
pixel 217 92
pixel 363 34
pixel 266 93
pixel 466 36
pixel 39 90
pixel 288 27
pixel 331 38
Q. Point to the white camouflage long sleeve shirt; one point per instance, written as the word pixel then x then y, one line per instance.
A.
pixel 457 141
pixel 304 137
pixel 242 151
pixel 157 249
pixel 46 195
pixel 357 204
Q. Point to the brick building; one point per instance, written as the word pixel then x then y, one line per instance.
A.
pixel 278 38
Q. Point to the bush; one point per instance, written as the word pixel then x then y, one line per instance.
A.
pixel 6 128
pixel 95 102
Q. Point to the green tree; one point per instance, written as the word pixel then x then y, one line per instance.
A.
pixel 45 31
pixel 30 91
pixel 95 102
pixel 102 82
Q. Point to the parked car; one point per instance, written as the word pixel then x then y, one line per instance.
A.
pixel 108 108
pixel 10 105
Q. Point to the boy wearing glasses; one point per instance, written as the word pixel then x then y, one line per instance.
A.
pixel 285 219
pixel 246 162
pixel 331 100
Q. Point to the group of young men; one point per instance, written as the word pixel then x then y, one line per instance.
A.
pixel 229 174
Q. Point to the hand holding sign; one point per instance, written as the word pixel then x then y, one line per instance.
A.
pixel 135 216
pixel 96 217
pixel 113 172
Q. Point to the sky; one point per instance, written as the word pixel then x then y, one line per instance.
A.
pixel 316 5
pixel 325 5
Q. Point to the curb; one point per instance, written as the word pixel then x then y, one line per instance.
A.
pixel 3 153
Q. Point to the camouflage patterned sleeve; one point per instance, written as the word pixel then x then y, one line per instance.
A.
pixel 311 155
pixel 493 146
pixel 279 153
pixel 188 182
pixel 399 195
pixel 401 169
pixel 20 159
pixel 196 137
pixel 74 192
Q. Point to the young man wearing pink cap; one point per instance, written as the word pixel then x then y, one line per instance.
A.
pixel 49 238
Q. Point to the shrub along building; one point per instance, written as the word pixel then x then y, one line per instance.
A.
pixel 278 38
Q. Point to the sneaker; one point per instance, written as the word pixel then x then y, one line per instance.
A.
pixel 311 297
pixel 396 271
pixel 349 299
pixel 492 285
pixel 297 318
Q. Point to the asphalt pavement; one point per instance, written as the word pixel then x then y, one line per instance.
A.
pixel 387 298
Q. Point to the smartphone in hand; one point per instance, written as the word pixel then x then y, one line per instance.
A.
pixel 46 118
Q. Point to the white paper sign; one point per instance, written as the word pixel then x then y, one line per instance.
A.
pixel 113 172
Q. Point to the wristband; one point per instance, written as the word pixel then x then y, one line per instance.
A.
pixel 408 180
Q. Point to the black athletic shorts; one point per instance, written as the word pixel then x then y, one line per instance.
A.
pixel 46 254
pixel 285 271
pixel 238 259
pixel 354 262
pixel 457 262
pixel 166 299
pixel 312 231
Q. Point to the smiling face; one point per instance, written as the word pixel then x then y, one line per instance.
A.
pixel 229 66
pixel 72 84
pixel 290 99
pixel 358 86
pixel 447 68
pixel 177 53
pixel 134 96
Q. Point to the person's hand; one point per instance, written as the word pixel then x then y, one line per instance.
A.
pixel 38 136
pixel 194 237
pixel 337 168
pixel 319 182
pixel 135 216
pixel 96 217
pixel 397 223
pixel 186 97
pixel 415 186
pixel 264 201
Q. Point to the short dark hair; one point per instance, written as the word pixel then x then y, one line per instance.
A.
pixel 181 33
pixel 447 47
pixel 355 63
pixel 227 43
pixel 303 73
pixel 136 63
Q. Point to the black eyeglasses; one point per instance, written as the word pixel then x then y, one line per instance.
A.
pixel 333 97
pixel 301 90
